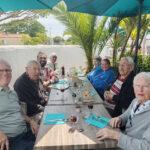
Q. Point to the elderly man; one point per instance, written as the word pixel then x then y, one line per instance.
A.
pixel 47 74
pixel 135 119
pixel 30 90
pixel 121 93
pixel 52 64
pixel 14 134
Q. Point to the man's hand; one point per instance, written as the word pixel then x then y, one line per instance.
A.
pixel 3 141
pixel 115 122
pixel 40 107
pixel 108 96
pixel 107 134
pixel 46 83
pixel 34 127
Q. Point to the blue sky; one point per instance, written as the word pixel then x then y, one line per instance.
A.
pixel 52 25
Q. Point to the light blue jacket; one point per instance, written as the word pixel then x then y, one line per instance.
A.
pixel 94 72
pixel 102 80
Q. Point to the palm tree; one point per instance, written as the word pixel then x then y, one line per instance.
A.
pixel 145 24
pixel 84 29
pixel 128 25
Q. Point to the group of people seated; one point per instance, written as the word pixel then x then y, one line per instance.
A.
pixel 126 97
pixel 19 127
pixel 118 92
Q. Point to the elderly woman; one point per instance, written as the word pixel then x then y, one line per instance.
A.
pixel 97 67
pixel 135 119
pixel 103 78
pixel 52 64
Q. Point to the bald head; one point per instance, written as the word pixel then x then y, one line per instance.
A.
pixel 5 74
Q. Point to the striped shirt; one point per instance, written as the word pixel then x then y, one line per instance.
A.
pixel 115 90
pixel 48 74
pixel 116 87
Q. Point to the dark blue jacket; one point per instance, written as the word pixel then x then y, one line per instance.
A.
pixel 102 80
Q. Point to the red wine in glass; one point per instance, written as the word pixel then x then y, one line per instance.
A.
pixel 90 106
pixel 62 90
pixel 73 119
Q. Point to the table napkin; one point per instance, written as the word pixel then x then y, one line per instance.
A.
pixel 93 93
pixel 51 117
pixel 60 86
pixel 100 122
pixel 83 80
pixel 62 81
pixel 79 72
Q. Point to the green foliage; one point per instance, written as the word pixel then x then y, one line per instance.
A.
pixel 143 63
pixel 106 33
pixel 58 40
pixel 84 29
pixel 31 27
pixel 40 38
pixel 43 12
pixel 70 41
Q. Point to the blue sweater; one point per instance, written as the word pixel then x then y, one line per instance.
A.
pixel 94 72
pixel 102 80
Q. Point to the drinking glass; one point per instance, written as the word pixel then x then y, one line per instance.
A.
pixel 62 91
pixel 90 107
pixel 73 120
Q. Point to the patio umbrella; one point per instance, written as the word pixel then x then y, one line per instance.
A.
pixel 13 5
pixel 123 8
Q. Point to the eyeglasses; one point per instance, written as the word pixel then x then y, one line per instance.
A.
pixel 5 70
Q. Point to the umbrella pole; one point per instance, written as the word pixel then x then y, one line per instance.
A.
pixel 138 34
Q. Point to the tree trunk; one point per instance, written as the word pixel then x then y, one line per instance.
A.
pixel 142 38
pixel 114 49
pixel 132 46
pixel 131 50
pixel 126 41
pixel 89 57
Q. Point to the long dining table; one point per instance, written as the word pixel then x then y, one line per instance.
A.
pixel 55 96
pixel 58 137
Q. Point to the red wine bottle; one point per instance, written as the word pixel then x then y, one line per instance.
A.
pixel 62 70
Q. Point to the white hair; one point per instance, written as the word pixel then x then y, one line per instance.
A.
pixel 32 62
pixel 5 62
pixel 145 75
pixel 129 59
pixel 53 54
pixel 98 59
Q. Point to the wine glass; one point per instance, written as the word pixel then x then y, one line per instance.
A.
pixel 79 111
pixel 62 91
pixel 73 120
pixel 90 107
